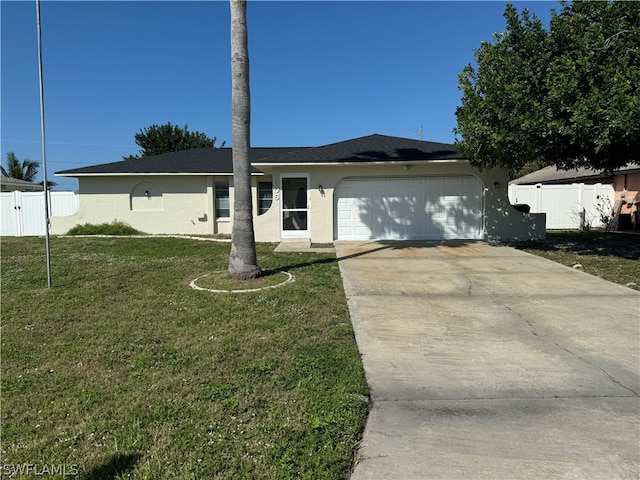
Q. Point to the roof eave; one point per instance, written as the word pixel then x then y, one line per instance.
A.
pixel 354 163
pixel 155 174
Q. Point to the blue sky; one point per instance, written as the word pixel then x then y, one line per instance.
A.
pixel 321 72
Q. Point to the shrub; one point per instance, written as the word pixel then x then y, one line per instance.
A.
pixel 116 227
pixel 605 212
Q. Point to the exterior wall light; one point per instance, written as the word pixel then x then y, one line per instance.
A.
pixel 146 193
pixel 321 190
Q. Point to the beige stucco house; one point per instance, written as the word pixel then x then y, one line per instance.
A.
pixel 373 187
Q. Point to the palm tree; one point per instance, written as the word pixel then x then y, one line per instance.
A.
pixel 25 170
pixel 243 260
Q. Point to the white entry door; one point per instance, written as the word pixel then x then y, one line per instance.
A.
pixel 294 217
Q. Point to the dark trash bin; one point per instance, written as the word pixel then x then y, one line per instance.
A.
pixel 624 221
pixel 522 207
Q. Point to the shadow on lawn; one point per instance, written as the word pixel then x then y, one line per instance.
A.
pixel 118 466
pixel 587 243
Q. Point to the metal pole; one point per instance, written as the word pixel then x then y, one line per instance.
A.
pixel 44 151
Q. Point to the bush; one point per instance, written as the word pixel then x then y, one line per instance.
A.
pixel 114 228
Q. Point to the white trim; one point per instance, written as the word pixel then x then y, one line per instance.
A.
pixel 352 164
pixel 129 174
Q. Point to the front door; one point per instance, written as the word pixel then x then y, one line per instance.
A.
pixel 295 207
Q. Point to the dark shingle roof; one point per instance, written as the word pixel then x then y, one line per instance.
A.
pixel 370 149
pixel 552 174
pixel 10 183
pixel 196 161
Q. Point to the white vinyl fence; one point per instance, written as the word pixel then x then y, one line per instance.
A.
pixel 567 206
pixel 22 213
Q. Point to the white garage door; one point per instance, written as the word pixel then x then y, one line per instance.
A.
pixel 416 208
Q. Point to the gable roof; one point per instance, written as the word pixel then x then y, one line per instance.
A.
pixel 209 161
pixel 218 161
pixel 370 149
pixel 552 174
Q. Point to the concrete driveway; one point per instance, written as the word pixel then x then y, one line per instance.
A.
pixel 489 363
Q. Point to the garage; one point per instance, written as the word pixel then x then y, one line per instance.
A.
pixel 409 208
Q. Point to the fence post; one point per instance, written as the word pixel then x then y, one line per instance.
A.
pixel 583 212
pixel 17 206
pixel 538 197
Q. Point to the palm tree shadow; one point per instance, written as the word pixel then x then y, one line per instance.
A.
pixel 285 266
pixel 377 246
pixel 117 466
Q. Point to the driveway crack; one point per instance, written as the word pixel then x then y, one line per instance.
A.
pixel 573 354
pixel 532 329
pixel 591 364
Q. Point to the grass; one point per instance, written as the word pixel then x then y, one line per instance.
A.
pixel 123 371
pixel 612 256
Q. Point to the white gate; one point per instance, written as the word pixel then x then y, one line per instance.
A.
pixel 23 212
pixel 568 205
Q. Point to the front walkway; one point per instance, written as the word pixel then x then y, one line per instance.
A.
pixel 489 363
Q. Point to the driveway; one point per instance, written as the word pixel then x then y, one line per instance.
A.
pixel 486 362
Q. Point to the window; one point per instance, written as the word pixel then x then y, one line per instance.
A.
pixel 222 200
pixel 265 196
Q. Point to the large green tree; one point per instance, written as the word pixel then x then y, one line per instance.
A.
pixel 566 95
pixel 22 170
pixel 243 260
pixel 159 139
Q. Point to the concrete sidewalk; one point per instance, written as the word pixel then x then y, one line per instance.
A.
pixel 489 363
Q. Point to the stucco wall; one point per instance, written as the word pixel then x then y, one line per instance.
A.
pixel 502 222
pixel 630 185
pixel 173 204
pixel 185 204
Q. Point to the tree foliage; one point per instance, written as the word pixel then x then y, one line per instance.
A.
pixel 22 170
pixel 568 95
pixel 159 139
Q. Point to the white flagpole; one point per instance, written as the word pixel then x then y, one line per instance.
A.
pixel 44 150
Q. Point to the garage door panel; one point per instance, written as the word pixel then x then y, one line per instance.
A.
pixel 414 231
pixel 435 181
pixel 409 208
pixel 345 215
pixel 453 181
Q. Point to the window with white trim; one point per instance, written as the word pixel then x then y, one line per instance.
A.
pixel 265 196
pixel 222 200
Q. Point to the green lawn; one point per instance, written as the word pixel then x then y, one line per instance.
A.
pixel 612 256
pixel 123 371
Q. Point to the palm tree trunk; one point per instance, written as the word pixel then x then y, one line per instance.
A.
pixel 243 262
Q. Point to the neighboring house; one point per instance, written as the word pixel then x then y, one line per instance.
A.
pixel 373 187
pixel 10 184
pixel 625 182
